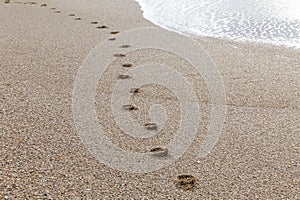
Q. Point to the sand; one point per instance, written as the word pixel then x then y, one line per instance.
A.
pixel 42 156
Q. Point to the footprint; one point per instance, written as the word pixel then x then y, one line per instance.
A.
pixel 32 3
pixel 102 27
pixel 130 107
pixel 159 152
pixel 57 11
pixel 114 32
pixel 124 76
pixel 185 182
pixel 127 65
pixel 77 18
pixel 124 46
pixel 112 39
pixel 94 22
pixel 52 8
pixel 134 90
pixel 151 126
pixel 119 55
pixel 43 5
pixel 72 15
pixel 7 1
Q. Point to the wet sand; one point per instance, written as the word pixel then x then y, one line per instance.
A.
pixel 42 157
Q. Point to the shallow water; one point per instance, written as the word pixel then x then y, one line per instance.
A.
pixel 269 21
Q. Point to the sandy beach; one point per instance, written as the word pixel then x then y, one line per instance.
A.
pixel 44 43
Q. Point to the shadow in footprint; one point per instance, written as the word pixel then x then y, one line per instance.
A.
pixel 124 76
pixel 43 5
pixel 127 65
pixel 102 27
pixel 151 126
pixel 114 32
pixel 94 22
pixel 77 18
pixel 159 152
pixel 112 39
pixel 72 15
pixel 119 55
pixel 130 107
pixel 124 46
pixel 134 90
pixel 185 182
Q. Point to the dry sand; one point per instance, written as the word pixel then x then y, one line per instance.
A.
pixel 42 157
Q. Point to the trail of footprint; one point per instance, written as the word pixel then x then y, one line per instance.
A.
pixel 78 19
pixel 71 15
pixel 158 152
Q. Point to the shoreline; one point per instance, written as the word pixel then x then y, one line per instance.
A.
pixel 43 156
pixel 159 21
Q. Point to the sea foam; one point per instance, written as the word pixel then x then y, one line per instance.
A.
pixel 269 21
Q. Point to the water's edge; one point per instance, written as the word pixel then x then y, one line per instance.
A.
pixel 150 15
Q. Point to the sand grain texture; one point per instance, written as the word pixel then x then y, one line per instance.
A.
pixel 257 156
